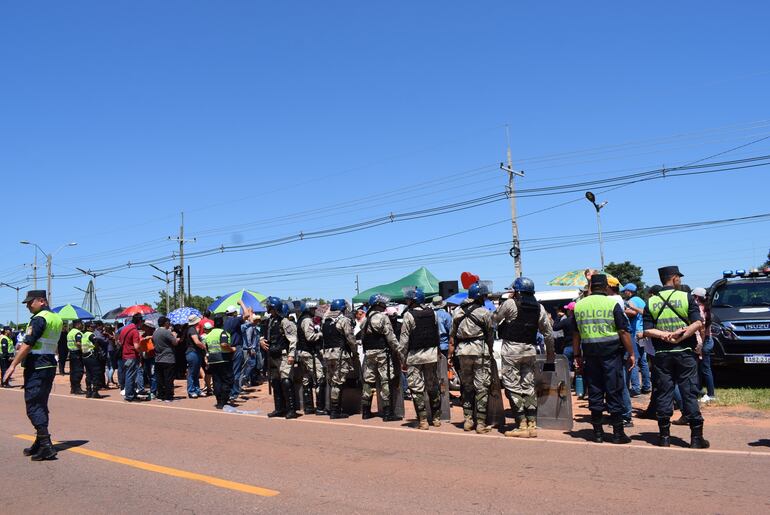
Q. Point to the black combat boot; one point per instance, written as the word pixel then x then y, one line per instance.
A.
pixel 366 410
pixel 619 436
pixel 89 392
pixel 321 400
pixel 46 450
pixel 76 390
pixel 596 421
pixel 388 415
pixel 336 411
pixel 307 400
pixel 291 398
pixel 29 451
pixel 280 408
pixel 95 393
pixel 664 432
pixel 696 436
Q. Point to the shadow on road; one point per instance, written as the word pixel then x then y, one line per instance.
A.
pixel 652 438
pixel 764 442
pixel 69 444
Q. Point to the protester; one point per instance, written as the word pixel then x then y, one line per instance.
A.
pixel 130 340
pixel 444 323
pixel 707 345
pixel 194 353
pixel 252 369
pixel 165 360
pixel 634 308
pixel 232 325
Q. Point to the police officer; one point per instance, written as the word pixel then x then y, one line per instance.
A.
pixel 38 353
pixel 339 353
pixel 601 335
pixel 308 343
pixel 7 350
pixel 220 365
pixel 91 362
pixel 518 321
pixel 379 344
pixel 671 319
pixel 280 342
pixel 471 338
pixel 74 342
pixel 418 349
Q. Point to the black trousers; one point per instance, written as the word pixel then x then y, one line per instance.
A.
pixel 605 382
pixel 76 368
pixel 164 376
pixel 37 388
pixel 680 368
pixel 222 374
pixel 63 355
pixel 93 369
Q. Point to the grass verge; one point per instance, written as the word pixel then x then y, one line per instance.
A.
pixel 757 398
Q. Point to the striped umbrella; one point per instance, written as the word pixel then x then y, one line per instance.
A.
pixel 573 278
pixel 72 312
pixel 179 316
pixel 251 298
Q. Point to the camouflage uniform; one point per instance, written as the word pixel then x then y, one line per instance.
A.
pixel 472 349
pixel 310 365
pixel 377 362
pixel 338 361
pixel 422 369
pixel 519 358
pixel 279 368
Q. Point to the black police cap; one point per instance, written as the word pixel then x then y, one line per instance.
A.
pixel 666 272
pixel 34 294
pixel 599 280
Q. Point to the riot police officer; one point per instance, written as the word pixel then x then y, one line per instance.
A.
pixel 280 342
pixel 380 346
pixel 471 338
pixel 671 319
pixel 220 365
pixel 38 352
pixel 74 342
pixel 7 350
pixel 601 335
pixel 339 353
pixel 311 368
pixel 518 321
pixel 418 350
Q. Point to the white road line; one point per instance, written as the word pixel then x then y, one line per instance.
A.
pixel 307 420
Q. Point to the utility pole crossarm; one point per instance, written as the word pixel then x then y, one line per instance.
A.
pixel 511 192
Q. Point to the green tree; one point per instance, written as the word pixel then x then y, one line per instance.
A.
pixel 767 263
pixel 198 302
pixel 627 272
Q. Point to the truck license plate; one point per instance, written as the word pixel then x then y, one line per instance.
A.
pixel 763 359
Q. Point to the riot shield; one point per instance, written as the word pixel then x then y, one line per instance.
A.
pixel 495 407
pixel 443 387
pixel 350 391
pixel 396 392
pixel 554 404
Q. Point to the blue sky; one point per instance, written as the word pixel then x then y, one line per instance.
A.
pixel 262 120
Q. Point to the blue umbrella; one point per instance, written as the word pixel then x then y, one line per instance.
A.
pixel 251 298
pixel 458 299
pixel 179 316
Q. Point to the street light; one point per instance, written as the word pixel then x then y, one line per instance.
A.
pixel 17 288
pixel 592 199
pixel 48 262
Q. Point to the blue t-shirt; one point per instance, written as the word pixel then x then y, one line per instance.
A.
pixel 444 327
pixel 636 321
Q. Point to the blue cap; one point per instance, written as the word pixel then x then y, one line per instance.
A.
pixel 630 287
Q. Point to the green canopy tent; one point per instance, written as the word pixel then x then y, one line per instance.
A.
pixel 421 278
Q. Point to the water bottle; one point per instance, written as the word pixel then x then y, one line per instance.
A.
pixel 579 385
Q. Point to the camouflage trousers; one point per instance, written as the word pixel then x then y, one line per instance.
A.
pixel 309 375
pixel 422 380
pixel 519 383
pixel 377 366
pixel 337 371
pixel 475 381
pixel 279 368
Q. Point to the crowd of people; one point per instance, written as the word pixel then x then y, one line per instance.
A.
pixel 621 346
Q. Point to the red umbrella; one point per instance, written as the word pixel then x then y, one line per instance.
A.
pixel 138 308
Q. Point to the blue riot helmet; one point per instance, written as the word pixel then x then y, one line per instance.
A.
pixel 285 309
pixel 477 290
pixel 378 300
pixel 339 305
pixel 275 303
pixel 524 285
pixel 301 306
pixel 415 294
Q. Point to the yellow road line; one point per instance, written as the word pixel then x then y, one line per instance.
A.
pixel 215 481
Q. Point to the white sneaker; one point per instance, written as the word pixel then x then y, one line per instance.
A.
pixel 123 393
pixel 705 399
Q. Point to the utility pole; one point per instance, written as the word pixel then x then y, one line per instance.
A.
pixel 17 288
pixel 598 206
pixel 357 285
pixel 515 251
pixel 181 241
pixel 48 262
pixel 167 281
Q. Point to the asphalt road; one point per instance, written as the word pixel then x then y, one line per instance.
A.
pixel 143 458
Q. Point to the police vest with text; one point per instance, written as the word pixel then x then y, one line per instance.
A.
pixel 522 329
pixel 596 324
pixel 425 332
pixel 49 340
pixel 72 342
pixel 86 344
pixel 669 310
pixel 213 341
